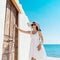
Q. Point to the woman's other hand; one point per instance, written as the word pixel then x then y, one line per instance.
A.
pixel 39 47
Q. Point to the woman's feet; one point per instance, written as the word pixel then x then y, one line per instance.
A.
pixel 33 58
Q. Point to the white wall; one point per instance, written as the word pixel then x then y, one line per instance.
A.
pixel 24 39
pixel 2 19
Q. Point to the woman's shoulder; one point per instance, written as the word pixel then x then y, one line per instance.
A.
pixel 30 32
pixel 39 31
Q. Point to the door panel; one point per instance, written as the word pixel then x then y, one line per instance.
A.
pixel 8 20
pixel 10 52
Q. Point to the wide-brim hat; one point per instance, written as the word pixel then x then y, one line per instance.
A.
pixel 30 24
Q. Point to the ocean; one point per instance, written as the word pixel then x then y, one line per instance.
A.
pixel 52 50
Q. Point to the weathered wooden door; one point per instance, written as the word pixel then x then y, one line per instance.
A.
pixel 10 43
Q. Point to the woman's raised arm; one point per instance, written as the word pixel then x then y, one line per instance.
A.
pixel 27 32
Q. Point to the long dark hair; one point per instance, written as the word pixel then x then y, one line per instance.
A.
pixel 34 23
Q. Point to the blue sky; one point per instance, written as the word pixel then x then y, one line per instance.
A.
pixel 47 14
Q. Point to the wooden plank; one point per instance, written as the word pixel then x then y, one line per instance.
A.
pixel 16 5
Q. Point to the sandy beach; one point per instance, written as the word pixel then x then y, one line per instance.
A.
pixel 52 58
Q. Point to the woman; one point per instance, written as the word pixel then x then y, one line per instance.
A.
pixel 37 51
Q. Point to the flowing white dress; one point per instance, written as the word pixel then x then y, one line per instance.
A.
pixel 38 55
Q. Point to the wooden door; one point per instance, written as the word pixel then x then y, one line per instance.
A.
pixel 10 43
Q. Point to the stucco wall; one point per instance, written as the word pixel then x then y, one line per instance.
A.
pixel 24 39
pixel 2 19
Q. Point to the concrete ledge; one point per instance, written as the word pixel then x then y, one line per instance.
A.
pixel 52 58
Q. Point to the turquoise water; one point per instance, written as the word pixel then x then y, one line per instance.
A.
pixel 52 50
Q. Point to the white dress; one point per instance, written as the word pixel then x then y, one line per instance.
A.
pixel 38 55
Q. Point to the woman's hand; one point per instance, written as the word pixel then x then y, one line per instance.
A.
pixel 39 47
pixel 15 25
